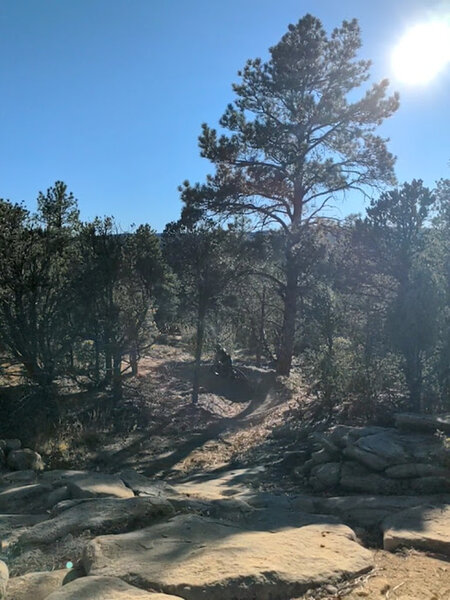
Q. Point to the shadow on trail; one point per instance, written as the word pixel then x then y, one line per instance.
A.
pixel 251 414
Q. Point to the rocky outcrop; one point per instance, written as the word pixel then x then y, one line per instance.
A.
pixel 198 558
pixel 377 460
pixel 219 537
pixel 103 515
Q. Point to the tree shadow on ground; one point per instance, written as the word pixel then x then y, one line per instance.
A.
pixel 250 393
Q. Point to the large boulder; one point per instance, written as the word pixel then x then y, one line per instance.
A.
pixel 105 588
pixel 199 558
pixel 325 477
pixel 416 422
pixel 356 478
pixel 423 527
pixel 25 459
pixel 35 586
pixel 385 447
pixel 98 485
pixel 342 435
pixel 4 576
pixel 103 515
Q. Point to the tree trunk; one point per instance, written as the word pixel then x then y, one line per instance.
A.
pixel 134 360
pixel 117 377
pixel 198 353
pixel 286 344
pixel 108 364
pixel 414 380
pixel 97 363
pixel 262 322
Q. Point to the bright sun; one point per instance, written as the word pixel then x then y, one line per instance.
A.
pixel 422 52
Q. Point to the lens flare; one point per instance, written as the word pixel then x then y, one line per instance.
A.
pixel 422 53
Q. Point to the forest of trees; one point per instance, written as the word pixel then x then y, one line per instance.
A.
pixel 361 305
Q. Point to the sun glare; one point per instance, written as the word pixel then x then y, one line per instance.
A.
pixel 422 53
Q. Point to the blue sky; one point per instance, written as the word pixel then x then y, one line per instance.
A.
pixel 109 95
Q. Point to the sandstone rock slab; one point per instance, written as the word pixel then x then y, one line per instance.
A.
pixel 35 586
pixel 98 485
pixel 423 527
pixel 105 588
pixel 416 470
pixel 430 485
pixel 370 511
pixel 198 558
pixel 27 476
pixel 142 485
pixel 4 576
pixel 103 515
pixel 24 498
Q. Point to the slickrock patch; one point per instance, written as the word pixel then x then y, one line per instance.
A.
pixel 199 558
pixel 423 527
pixel 105 588
pixel 98 485
pixel 104 515
pixel 25 498
pixel 35 586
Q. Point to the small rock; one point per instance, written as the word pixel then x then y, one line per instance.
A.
pixel 13 444
pixel 35 586
pixel 19 460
